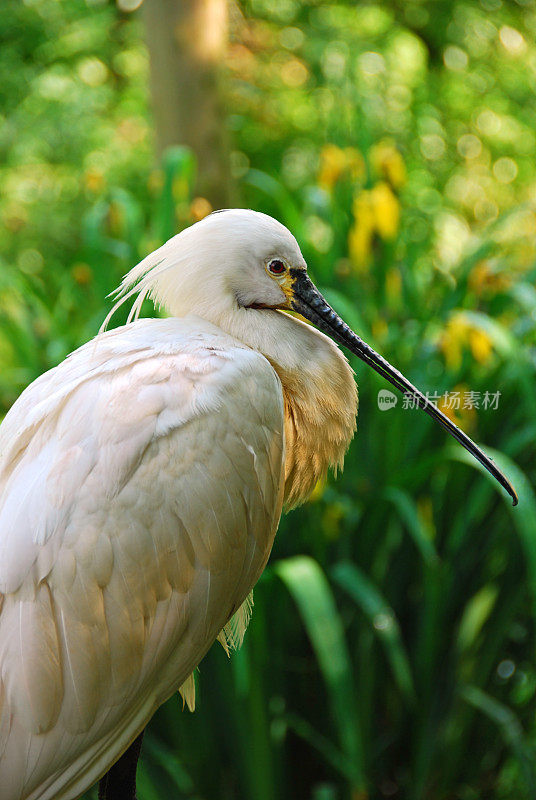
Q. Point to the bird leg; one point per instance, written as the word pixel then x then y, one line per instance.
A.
pixel 119 783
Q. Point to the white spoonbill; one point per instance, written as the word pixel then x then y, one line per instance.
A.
pixel 141 485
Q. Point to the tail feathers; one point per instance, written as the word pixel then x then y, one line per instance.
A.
pixel 232 635
pixel 230 638
pixel 187 692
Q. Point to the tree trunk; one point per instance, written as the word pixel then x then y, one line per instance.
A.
pixel 187 40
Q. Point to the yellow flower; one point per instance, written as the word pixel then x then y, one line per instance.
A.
pixel 361 232
pixel 375 211
pixel 484 280
pixel 362 209
pixel 453 339
pixel 336 163
pixel 199 208
pixel 94 180
pixel 379 330
pixel 332 165
pixel 360 245
pixel 393 286
pixel 459 333
pixel 481 345
pixel 461 414
pixel 388 162
pixel 385 209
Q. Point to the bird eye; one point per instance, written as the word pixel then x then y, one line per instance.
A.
pixel 276 266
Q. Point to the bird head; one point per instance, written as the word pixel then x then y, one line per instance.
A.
pixel 239 261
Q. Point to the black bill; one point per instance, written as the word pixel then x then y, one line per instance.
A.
pixel 308 302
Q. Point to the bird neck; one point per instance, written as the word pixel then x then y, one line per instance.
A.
pixel 319 392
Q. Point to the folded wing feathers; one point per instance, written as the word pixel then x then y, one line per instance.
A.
pixel 160 389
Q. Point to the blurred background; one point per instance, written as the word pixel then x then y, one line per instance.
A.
pixel 391 650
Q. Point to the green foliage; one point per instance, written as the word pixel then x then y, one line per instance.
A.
pixel 395 657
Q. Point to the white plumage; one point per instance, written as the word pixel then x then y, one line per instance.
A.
pixel 141 484
pixel 139 511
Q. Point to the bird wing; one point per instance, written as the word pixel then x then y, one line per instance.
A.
pixel 140 491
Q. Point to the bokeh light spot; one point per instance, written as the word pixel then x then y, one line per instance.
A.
pixel 512 40
pixel 92 71
pixel 469 146
pixel 294 73
pixel 506 669
pixel 291 38
pixel 371 63
pixel 505 169
pixel 488 122
pixel 30 261
pixel 455 58
pixel 432 146
pixel 383 621
pixel 129 5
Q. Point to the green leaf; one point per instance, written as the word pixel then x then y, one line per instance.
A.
pixel 383 620
pixel 523 515
pixel 475 614
pixel 168 760
pixel 409 514
pixel 146 785
pixel 509 727
pixel 321 744
pixel 309 588
pixel 179 166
